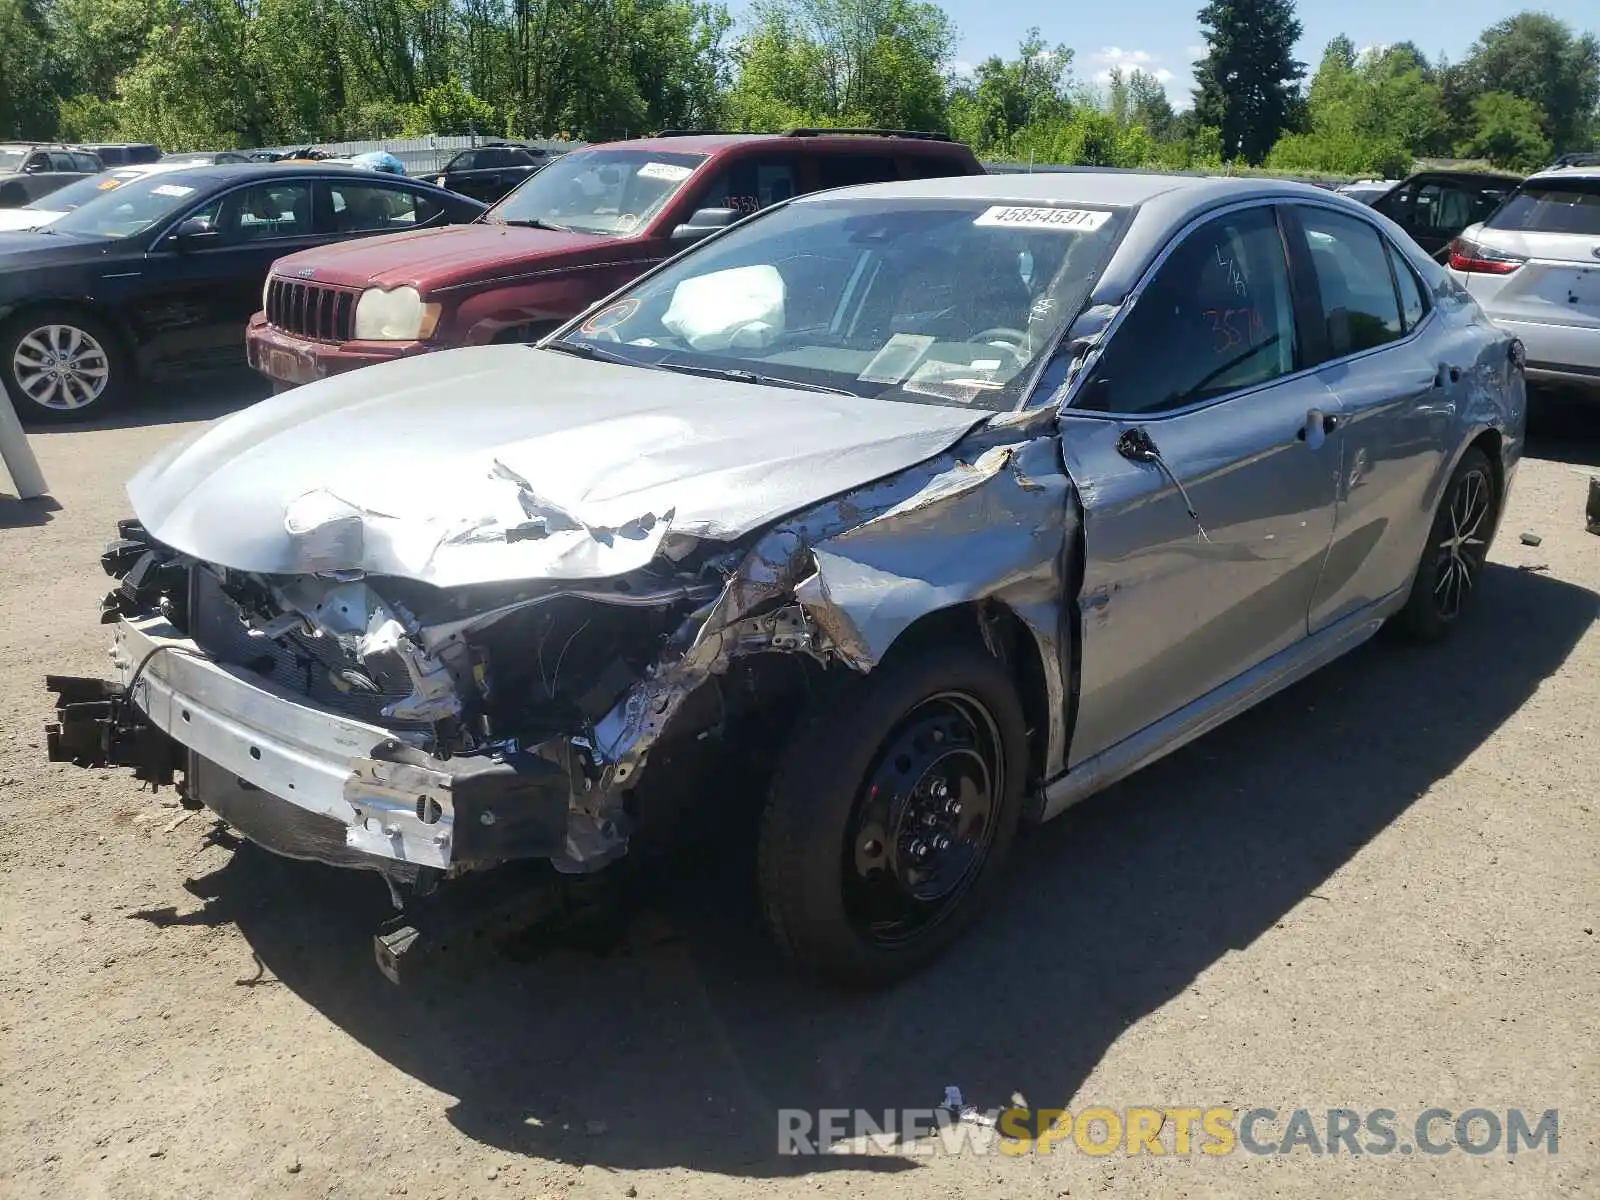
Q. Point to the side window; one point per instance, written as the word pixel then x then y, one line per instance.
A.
pixel 266 212
pixel 463 162
pixel 1442 208
pixel 751 183
pixel 846 170
pixel 1413 305
pixel 61 160
pixel 1216 317
pixel 929 166
pixel 87 163
pixel 37 162
pixel 1353 281
pixel 363 208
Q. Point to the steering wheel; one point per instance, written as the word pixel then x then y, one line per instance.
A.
pixel 1013 340
pixel 1000 333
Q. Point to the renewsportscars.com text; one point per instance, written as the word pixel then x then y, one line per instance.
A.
pixel 1099 1130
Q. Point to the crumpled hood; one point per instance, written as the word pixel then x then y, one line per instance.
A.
pixel 502 463
pixel 435 258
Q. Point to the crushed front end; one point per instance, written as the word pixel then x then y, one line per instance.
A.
pixel 376 723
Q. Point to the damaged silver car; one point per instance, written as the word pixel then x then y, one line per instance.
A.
pixel 965 497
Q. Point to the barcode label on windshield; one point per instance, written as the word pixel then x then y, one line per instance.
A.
pixel 1069 219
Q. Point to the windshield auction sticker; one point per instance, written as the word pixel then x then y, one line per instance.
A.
pixel 1009 216
pixel 670 172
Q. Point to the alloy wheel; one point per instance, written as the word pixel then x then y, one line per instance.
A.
pixel 1461 552
pixel 60 367
pixel 925 819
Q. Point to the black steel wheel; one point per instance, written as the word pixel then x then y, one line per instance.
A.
pixel 889 814
pixel 1449 576
pixel 923 822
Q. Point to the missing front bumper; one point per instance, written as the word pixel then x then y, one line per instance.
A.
pixel 262 750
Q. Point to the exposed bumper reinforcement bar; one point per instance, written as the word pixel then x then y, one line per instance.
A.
pixel 395 801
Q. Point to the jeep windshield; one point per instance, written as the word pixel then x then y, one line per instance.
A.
pixel 612 192
pixel 949 301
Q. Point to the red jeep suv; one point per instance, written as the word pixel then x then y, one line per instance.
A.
pixel 573 233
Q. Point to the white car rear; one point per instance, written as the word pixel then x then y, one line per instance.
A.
pixel 1534 267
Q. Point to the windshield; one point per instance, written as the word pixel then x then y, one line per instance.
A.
pixel 11 160
pixel 931 301
pixel 1567 206
pixel 74 194
pixel 598 191
pixel 130 208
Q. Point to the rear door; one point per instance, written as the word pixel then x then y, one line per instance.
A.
pixel 1545 287
pixel 1205 456
pixel 1398 374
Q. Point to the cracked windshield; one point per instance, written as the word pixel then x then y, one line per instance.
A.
pixel 930 301
pixel 599 191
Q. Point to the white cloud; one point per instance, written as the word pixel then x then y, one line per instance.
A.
pixel 1374 50
pixel 962 68
pixel 1115 58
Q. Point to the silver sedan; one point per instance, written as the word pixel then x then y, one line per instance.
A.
pixel 940 505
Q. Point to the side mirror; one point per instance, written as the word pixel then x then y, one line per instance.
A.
pixel 35 168
pixel 704 223
pixel 195 234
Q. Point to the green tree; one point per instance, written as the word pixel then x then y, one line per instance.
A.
pixel 1538 58
pixel 1006 95
pixel 843 62
pixel 29 70
pixel 1509 132
pixel 1245 85
pixel 1148 105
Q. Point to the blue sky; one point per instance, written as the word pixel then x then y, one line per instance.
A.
pixel 1163 37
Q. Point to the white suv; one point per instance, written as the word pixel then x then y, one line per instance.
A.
pixel 1534 266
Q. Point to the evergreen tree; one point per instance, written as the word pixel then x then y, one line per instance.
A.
pixel 1246 84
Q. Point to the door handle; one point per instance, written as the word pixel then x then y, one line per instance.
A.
pixel 1329 422
pixel 1446 374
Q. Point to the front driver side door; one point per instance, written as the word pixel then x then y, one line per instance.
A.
pixel 1200 401
pixel 197 301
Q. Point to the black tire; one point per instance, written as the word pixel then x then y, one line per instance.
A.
pixel 820 867
pixel 1449 575
pixel 40 399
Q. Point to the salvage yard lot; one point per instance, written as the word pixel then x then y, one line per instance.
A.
pixel 1378 890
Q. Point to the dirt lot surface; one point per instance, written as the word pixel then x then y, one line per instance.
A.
pixel 1378 890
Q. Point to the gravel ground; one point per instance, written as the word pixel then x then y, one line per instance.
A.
pixel 1378 890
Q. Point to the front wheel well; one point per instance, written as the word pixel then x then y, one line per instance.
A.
pixel 1491 443
pixel 998 629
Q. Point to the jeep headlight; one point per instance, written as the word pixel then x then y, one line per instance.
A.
pixel 394 316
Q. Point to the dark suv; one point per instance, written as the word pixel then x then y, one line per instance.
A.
pixel 570 235
pixel 1434 206
pixel 125 154
pixel 490 171
pixel 29 170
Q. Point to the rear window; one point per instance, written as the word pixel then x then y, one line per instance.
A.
pixel 1564 206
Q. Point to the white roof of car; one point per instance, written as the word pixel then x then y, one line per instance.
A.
pixel 1574 172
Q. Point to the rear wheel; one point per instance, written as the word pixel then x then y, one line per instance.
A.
pixel 890 814
pixel 63 365
pixel 1448 577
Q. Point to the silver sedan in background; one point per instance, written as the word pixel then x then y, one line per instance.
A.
pixel 945 504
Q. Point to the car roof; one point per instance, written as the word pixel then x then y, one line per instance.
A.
pixel 710 143
pixel 1551 174
pixel 1115 189
pixel 209 173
